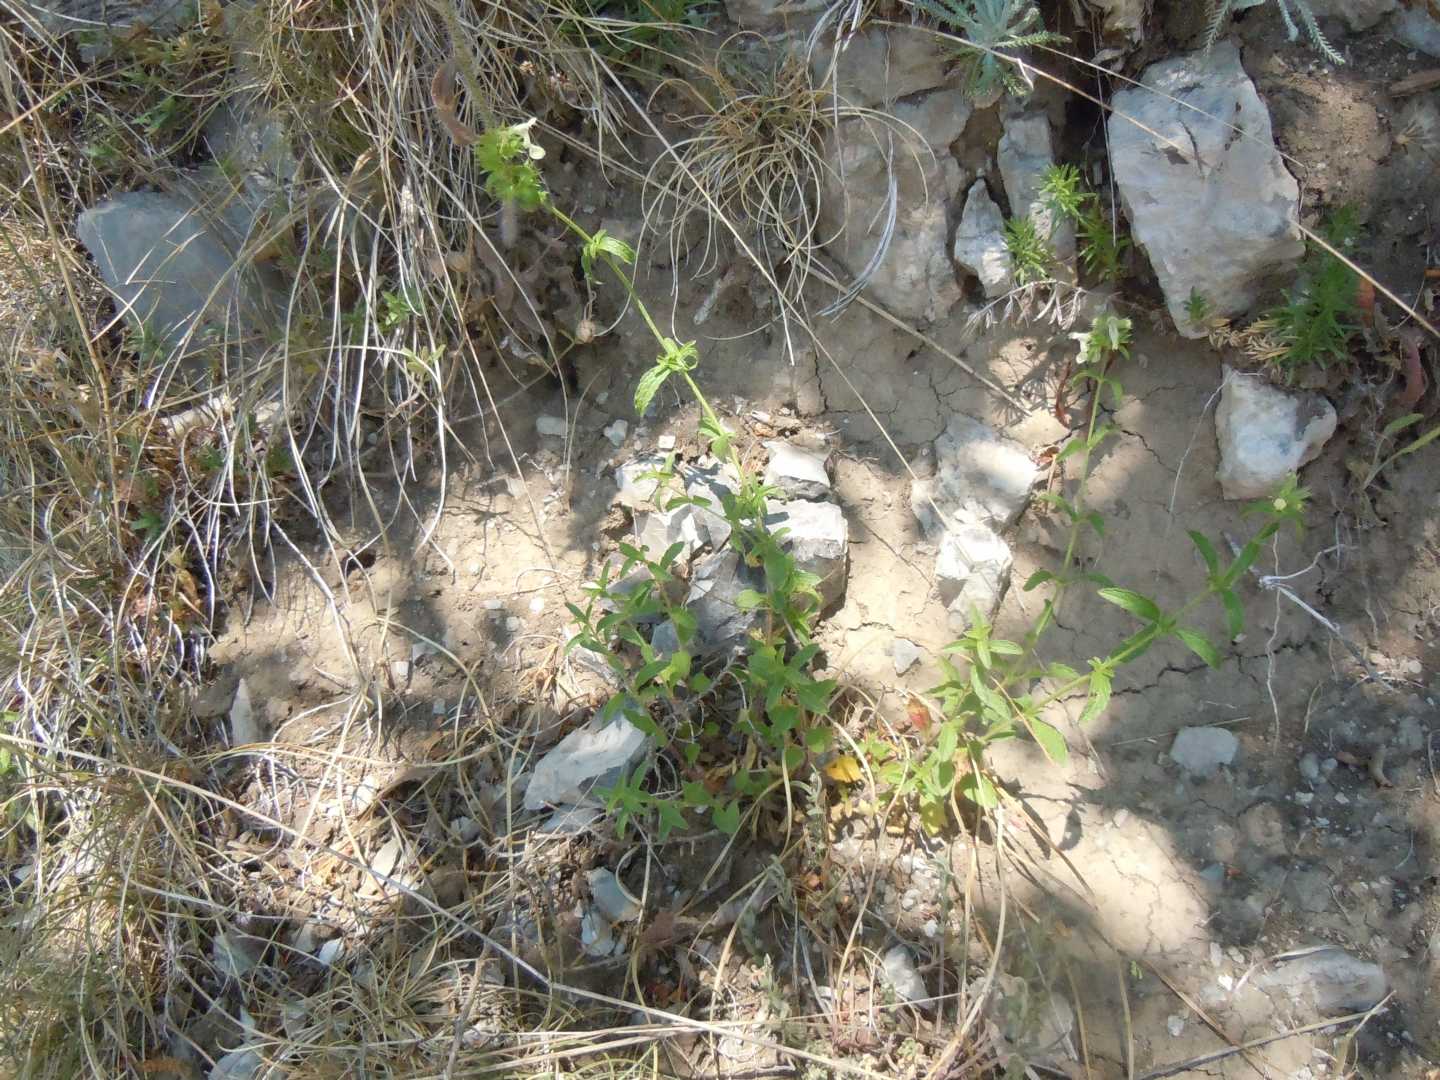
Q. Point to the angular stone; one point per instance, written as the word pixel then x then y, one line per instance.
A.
pixel 877 66
pixel 1266 433
pixel 979 475
pixel 799 472
pixel 1024 153
pixel 588 760
pixel 551 427
pixel 174 263
pixel 1202 750
pixel 818 539
pixel 610 897
pixel 904 654
pixel 1328 981
pixel 1215 212
pixel 914 278
pixel 1357 14
pixel 636 489
pixel 102 20
pixel 716 584
pixel 903 976
pixel 972 571
pixel 980 242
pixel 1416 28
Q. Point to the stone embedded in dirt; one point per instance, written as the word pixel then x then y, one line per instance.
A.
pixel 1357 14
pixel 972 571
pixel 692 525
pixel 596 937
pixel 979 475
pixel 1202 750
pixel 904 654
pixel 568 820
pixel 715 584
pixel 1310 767
pixel 552 427
pixel 1215 212
pixel 1416 28
pixel 1125 17
pixel 245 728
pixel 797 471
pixel 636 489
pixel 939 117
pixel 915 278
pixel 237 1065
pixel 617 432
pixel 1036 1024
pixel 248 140
pixel 610 897
pixel 902 974
pixel 1025 152
pixel 771 14
pixel 588 760
pixel 97 20
pixel 1266 433
pixel 980 242
pixel 175 266
pixel 877 67
pixel 818 538
pixel 1264 828
pixel 1328 981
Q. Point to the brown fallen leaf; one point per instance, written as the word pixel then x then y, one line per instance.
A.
pixel 1377 769
pixel 1347 758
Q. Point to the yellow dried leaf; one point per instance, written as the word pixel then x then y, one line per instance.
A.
pixel 844 769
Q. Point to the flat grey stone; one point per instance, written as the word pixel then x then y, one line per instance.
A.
pixel 817 536
pixel 173 263
pixel 636 490
pixel 797 471
pixel 716 583
pixel 588 760
pixel 1416 28
pixel 1329 981
pixel 878 66
pixel 1200 751
pixel 100 21
pixel 905 654
pixel 980 475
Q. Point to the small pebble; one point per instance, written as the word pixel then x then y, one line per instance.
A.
pixel 1304 798
pixel 537 604
pixel 492 604
pixel 513 624
pixel 1175 1024
pixel 616 433
pixel 1310 767
pixel 931 928
pixel 1329 765
pixel 1342 798
pixel 665 442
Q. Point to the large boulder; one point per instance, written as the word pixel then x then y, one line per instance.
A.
pixel 1266 433
pixel 1206 192
pixel 876 66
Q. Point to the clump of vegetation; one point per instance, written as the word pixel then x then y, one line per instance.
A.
pixel 1292 11
pixel 1031 257
pixel 1321 315
pixel 1099 242
pixel 995 32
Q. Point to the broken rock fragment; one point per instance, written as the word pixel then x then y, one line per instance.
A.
pixel 979 475
pixel 585 762
pixel 1266 433
pixel 972 571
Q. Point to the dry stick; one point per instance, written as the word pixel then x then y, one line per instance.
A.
pixel 1253 1044
pixel 683 1024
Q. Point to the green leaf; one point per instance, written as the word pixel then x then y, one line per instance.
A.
pixel 670 817
pixel 648 387
pixel 695 793
pixel 815 694
pixel 1234 613
pixel 602 243
pixel 977 787
pixel 718 435
pixel 727 818
pixel 700 683
pixel 749 600
pixel 1142 607
pixel 1099 695
pixel 1050 740
pixel 1038 578
pixel 792 758
pixel 1200 646
pixel 1063 672
pixel 1207 551
pixel 1396 426
pixel 819 739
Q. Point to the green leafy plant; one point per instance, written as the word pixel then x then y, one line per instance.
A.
pixel 1296 14
pixel 994 31
pixel 995 688
pixel 1031 257
pixel 1197 307
pixel 1100 244
pixel 1319 317
pixel 770 710
pixel 1367 472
